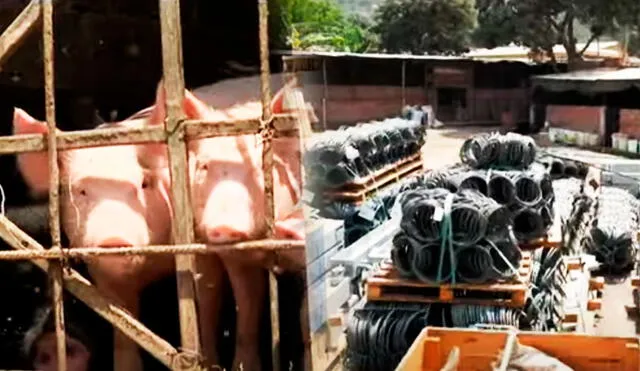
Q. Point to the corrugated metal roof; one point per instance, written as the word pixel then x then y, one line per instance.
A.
pixel 399 57
pixel 609 74
pixel 601 80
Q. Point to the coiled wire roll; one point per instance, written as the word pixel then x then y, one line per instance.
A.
pixel 380 334
pixel 510 150
pixel 563 168
pixel 338 157
pixel 612 238
pixel 484 247
pixel 543 309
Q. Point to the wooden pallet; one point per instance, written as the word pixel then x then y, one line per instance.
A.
pixel 387 285
pixel 359 190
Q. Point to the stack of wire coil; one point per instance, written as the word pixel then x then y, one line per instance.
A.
pixel 543 309
pixel 527 194
pixel 338 157
pixel 563 168
pixel 478 247
pixel 511 150
pixel 612 238
pixel 380 334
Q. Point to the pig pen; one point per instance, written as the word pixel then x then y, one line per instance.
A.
pixel 55 261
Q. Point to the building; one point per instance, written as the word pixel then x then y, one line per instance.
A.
pixel 352 88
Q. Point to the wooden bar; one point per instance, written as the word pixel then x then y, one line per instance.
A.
pixel 267 166
pixel 182 228
pixel 19 29
pixel 89 294
pixel 274 246
pixel 195 129
pixel 55 269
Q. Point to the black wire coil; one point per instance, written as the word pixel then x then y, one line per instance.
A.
pixel 484 248
pixel 380 334
pixel 543 309
pixel 612 237
pixel 510 150
pixel 563 168
pixel 338 157
pixel 528 194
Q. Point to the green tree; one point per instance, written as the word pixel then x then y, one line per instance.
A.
pixel 425 26
pixel 321 25
pixel 540 24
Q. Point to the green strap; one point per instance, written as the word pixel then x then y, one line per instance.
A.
pixel 446 237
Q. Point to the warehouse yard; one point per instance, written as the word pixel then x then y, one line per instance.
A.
pixel 442 149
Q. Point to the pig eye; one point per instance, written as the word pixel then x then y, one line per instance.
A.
pixel 145 184
pixel 204 167
pixel 82 192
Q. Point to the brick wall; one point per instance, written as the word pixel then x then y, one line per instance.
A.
pixel 630 122
pixel 489 104
pixel 579 118
pixel 350 104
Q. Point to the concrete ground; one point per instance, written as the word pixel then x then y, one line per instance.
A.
pixel 442 148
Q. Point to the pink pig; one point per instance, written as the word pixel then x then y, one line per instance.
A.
pixel 110 196
pixel 227 190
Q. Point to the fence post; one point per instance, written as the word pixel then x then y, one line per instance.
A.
pixel 55 268
pixel 182 228
pixel 267 166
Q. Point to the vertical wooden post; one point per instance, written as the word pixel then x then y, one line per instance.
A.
pixel 182 229
pixel 55 268
pixel 267 165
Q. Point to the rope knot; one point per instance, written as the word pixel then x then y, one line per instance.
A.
pixel 186 359
pixel 267 129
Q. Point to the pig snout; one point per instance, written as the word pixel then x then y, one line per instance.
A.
pixel 230 214
pixel 115 224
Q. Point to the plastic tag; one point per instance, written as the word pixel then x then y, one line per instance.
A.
pixel 351 153
pixel 368 212
pixel 438 214
pixel 307 196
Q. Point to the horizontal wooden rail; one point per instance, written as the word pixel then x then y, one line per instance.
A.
pixel 200 249
pixel 89 294
pixel 285 125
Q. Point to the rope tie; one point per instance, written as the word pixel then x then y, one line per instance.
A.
pixel 267 129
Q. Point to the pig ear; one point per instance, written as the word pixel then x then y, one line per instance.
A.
pixel 159 113
pixel 194 108
pixel 23 123
pixel 34 166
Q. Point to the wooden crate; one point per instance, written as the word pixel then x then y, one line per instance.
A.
pixel 387 285
pixel 359 190
pixel 479 348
